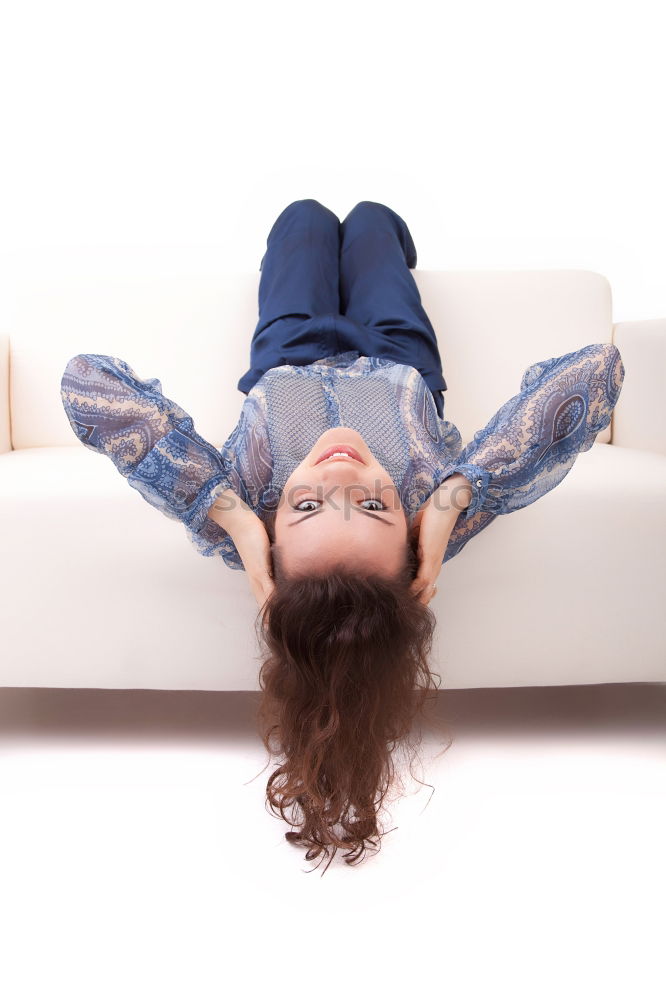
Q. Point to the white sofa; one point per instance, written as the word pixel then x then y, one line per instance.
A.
pixel 100 590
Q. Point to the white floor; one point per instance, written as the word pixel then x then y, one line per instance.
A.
pixel 139 860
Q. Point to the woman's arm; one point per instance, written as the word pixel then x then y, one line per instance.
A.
pixel 250 537
pixel 533 440
pixel 432 527
pixel 150 439
pixel 228 510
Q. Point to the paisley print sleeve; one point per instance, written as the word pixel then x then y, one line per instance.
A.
pixel 531 443
pixel 149 438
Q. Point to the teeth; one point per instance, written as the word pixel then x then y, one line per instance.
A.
pixel 343 453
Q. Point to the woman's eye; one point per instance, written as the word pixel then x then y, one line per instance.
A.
pixel 298 506
pixel 380 504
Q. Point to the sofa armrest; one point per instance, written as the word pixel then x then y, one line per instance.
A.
pixel 5 420
pixel 639 417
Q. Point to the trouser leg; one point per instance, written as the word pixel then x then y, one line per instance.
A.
pixel 378 291
pixel 298 290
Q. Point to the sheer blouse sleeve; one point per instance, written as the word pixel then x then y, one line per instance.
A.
pixel 151 441
pixel 531 443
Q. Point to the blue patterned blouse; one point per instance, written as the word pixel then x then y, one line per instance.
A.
pixel 524 451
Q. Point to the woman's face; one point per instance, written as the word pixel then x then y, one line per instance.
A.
pixel 341 509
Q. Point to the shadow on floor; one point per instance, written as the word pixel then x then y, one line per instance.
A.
pixel 198 717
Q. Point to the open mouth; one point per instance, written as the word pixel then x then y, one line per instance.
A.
pixel 341 451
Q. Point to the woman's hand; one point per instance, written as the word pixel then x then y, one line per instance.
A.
pixel 432 527
pixel 250 537
pixel 253 545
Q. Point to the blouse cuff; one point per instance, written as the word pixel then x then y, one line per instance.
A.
pixel 479 480
pixel 179 475
pixel 197 516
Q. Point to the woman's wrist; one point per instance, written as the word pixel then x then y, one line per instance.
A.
pixel 453 496
pixel 229 511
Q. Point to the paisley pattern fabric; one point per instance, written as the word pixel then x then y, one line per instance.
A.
pixel 531 443
pixel 524 451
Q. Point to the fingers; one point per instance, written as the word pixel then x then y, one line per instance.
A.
pixel 427 594
pixel 262 588
pixel 425 591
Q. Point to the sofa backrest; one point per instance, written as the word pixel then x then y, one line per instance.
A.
pixel 193 333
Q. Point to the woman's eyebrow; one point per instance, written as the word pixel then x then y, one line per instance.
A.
pixel 369 513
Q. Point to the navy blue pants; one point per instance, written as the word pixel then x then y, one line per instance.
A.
pixel 328 286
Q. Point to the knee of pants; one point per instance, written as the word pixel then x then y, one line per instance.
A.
pixel 368 207
pixel 372 215
pixel 311 206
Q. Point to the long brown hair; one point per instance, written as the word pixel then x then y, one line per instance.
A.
pixel 344 675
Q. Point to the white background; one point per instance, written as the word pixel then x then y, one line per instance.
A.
pixel 144 136
pixel 140 135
